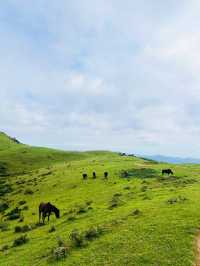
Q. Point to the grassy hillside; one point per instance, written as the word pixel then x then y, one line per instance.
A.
pixel 17 158
pixel 135 217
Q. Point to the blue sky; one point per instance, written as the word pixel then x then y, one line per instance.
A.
pixel 117 75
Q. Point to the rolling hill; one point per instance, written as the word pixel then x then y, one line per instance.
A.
pixel 135 217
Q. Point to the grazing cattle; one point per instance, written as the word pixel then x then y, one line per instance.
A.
pixel 167 171
pixel 106 174
pixel 94 175
pixel 84 176
pixel 46 209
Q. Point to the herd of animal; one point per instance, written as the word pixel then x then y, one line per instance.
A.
pixel 94 176
pixel 45 209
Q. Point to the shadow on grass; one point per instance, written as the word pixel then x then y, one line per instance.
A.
pixel 139 173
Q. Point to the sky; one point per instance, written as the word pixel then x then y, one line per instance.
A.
pixel 102 75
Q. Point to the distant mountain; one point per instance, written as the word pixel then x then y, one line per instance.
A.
pixel 171 159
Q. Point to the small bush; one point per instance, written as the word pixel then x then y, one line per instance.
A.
pixel 127 187
pixel 4 248
pixel 136 212
pixel 77 238
pixel 28 191
pixel 21 219
pixel 89 202
pixel 25 208
pixel 60 241
pixel 18 229
pixel 52 229
pixel 144 188
pixel 93 232
pixel 60 253
pixel 14 214
pixel 3 206
pixel 3 226
pixel 21 202
pixel 81 209
pixel 115 201
pixel 20 241
pixel 71 218
pixel 179 199
pixel 22 229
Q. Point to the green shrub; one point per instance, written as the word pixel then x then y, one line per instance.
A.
pixel 14 214
pixel 20 241
pixel 3 226
pixel 71 217
pixel 25 208
pixel 22 229
pixel 3 206
pixel 77 238
pixel 52 229
pixel 81 209
pixel 136 212
pixel 60 253
pixel 28 191
pixel 21 202
pixel 93 232
pixel 4 248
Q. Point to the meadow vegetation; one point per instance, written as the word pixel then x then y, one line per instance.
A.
pixel 135 217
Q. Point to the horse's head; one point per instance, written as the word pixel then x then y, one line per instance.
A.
pixel 57 212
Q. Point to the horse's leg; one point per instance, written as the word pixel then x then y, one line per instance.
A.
pixel 43 217
pixel 39 216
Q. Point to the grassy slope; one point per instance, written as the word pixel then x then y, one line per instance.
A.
pixel 20 158
pixel 163 234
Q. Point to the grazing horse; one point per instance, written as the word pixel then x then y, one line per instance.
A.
pixel 46 209
pixel 167 171
pixel 106 174
pixel 94 175
pixel 84 176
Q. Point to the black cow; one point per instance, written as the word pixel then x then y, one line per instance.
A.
pixel 85 176
pixel 94 175
pixel 167 171
pixel 106 175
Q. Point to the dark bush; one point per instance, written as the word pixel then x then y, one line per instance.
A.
pixel 20 241
pixel 14 214
pixel 52 229
pixel 77 238
pixel 178 199
pixel 22 202
pixel 136 212
pixel 3 226
pixel 3 206
pixel 71 218
pixel 60 253
pixel 28 191
pixel 25 208
pixel 144 188
pixel 4 248
pixel 93 232
pixel 18 229
pixel 22 229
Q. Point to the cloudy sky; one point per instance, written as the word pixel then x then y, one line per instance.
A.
pixel 102 74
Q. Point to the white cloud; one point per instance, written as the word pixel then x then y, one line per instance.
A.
pixel 102 74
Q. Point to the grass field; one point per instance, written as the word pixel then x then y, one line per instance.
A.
pixel 139 219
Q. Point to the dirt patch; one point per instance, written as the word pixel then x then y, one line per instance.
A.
pixel 197 263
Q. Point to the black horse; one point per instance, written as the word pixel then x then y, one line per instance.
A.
pixel 94 175
pixel 106 175
pixel 46 209
pixel 85 176
pixel 167 171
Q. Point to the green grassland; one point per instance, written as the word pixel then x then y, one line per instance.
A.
pixel 139 219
